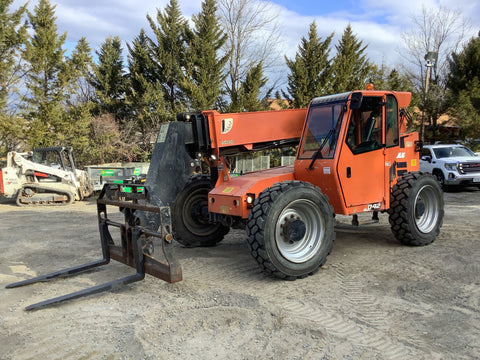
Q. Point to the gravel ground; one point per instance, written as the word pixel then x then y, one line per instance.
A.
pixel 373 299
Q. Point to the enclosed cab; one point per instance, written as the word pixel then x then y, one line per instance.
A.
pixel 354 156
pixel 354 146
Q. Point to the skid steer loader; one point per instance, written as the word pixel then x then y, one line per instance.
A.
pixel 44 176
pixel 354 156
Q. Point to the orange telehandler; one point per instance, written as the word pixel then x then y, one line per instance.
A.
pixel 354 155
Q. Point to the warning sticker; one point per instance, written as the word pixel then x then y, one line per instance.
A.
pixel 162 133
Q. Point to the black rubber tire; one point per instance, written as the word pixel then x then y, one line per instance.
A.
pixel 277 253
pixel 416 209
pixel 190 222
pixel 440 178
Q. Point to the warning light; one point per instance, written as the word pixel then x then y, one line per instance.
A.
pixel 370 86
pixel 250 199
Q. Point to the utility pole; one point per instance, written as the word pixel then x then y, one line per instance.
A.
pixel 431 58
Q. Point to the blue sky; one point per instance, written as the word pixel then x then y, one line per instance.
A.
pixel 379 24
pixel 305 7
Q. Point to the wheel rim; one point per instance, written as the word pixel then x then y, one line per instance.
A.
pixel 195 214
pixel 299 230
pixel 425 209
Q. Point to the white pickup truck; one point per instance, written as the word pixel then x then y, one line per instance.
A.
pixel 451 164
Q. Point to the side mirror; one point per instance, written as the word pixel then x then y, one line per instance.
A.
pixel 356 100
pixel 427 158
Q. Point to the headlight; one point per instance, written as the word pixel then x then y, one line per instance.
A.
pixel 451 166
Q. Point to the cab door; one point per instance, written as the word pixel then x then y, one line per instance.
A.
pixel 396 154
pixel 361 165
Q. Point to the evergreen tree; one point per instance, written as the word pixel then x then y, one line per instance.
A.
pixel 48 76
pixel 144 97
pixel 465 67
pixel 168 53
pixel 310 72
pixel 250 90
pixel 464 84
pixel 384 78
pixel 12 36
pixel 108 78
pixel 350 66
pixel 81 64
pixel 78 108
pixel 203 83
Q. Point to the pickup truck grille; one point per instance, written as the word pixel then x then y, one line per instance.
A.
pixel 469 167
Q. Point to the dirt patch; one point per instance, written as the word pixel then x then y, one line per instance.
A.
pixel 374 298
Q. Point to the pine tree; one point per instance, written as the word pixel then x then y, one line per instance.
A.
pixel 465 67
pixel 250 90
pixel 310 72
pixel 168 53
pixel 464 84
pixel 350 66
pixel 12 36
pixel 81 65
pixel 48 76
pixel 108 78
pixel 144 97
pixel 78 108
pixel 203 83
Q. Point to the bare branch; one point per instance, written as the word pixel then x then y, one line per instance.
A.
pixel 253 32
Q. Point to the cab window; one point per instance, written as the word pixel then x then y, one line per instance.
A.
pixel 391 122
pixel 365 126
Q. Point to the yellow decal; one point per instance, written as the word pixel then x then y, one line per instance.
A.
pixel 228 190
pixel 408 144
pixel 224 209
pixel 414 162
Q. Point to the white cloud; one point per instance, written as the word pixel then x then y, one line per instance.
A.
pixel 379 24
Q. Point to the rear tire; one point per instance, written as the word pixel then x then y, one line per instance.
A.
pixel 290 230
pixel 416 209
pixel 190 222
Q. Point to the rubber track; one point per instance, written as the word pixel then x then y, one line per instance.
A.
pixel 71 197
pixel 256 221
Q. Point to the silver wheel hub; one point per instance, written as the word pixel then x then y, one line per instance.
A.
pixel 426 209
pixel 300 230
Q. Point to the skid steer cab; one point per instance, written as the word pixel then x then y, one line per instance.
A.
pixel 354 155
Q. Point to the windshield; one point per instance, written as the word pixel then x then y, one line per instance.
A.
pixel 452 151
pixel 321 131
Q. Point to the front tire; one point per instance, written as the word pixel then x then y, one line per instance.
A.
pixel 416 209
pixel 440 177
pixel 290 230
pixel 190 220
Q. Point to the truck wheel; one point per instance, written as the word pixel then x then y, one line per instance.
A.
pixel 416 209
pixel 440 177
pixel 290 230
pixel 190 222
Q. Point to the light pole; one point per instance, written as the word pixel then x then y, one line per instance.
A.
pixel 431 58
